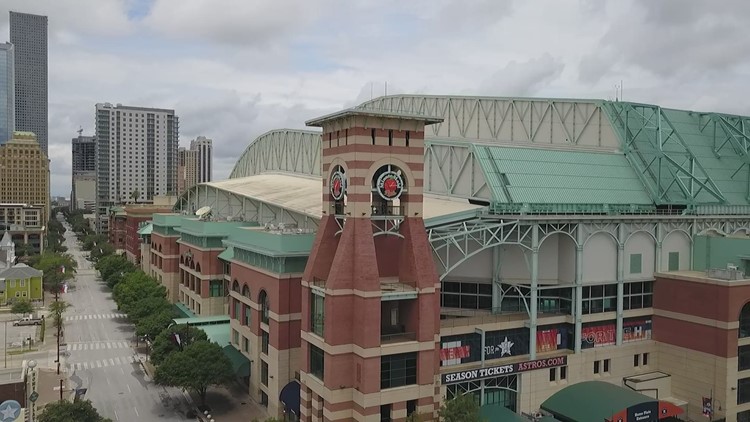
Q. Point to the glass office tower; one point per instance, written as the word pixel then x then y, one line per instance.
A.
pixel 7 89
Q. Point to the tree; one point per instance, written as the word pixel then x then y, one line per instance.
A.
pixel 113 269
pixel 65 411
pixel 165 343
pixel 197 367
pixel 135 195
pixel 57 268
pixel 136 286
pixel 151 305
pixel 22 306
pixel 93 239
pixel 101 250
pixel 153 324
pixel 58 308
pixel 463 408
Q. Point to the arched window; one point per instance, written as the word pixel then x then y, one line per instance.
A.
pixel 246 291
pixel 236 286
pixel 745 321
pixel 264 306
pixel 159 247
pixel 182 259
pixel 198 267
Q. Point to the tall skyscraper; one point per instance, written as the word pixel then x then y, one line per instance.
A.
pixel 28 34
pixel 194 164
pixel 83 193
pixel 204 146
pixel 136 152
pixel 7 92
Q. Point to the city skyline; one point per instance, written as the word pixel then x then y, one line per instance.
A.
pixel 251 68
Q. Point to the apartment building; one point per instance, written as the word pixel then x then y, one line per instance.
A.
pixel 7 92
pixel 83 192
pixel 195 163
pixel 136 156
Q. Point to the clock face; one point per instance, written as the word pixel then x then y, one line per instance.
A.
pixel 390 185
pixel 338 185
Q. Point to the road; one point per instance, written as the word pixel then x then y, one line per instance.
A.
pixel 100 357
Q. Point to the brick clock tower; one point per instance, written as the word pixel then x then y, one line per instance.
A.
pixel 370 291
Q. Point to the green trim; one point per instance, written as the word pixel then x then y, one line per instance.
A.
pixel 227 254
pixel 183 310
pixel 240 362
pixel 674 261
pixel 636 263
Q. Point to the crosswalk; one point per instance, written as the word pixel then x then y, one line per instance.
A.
pixel 95 316
pixel 98 345
pixel 103 363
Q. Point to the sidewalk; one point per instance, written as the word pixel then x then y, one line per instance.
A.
pixel 48 387
pixel 232 404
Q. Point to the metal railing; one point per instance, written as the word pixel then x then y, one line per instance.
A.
pixel 397 337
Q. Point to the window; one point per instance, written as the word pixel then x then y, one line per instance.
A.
pixel 743 390
pixel 598 299
pixel 407 137
pixel 263 300
pixel 215 288
pixel 552 374
pixel 264 373
pixel 235 337
pixel 743 416
pixel 744 330
pixel 645 359
pixel 317 313
pixel 636 360
pixel 466 295
pixel 390 137
pixel 638 295
pixel 317 362
pixel 398 370
pixel 245 344
pixel 635 263
pixel 563 373
pixel 411 405
pixel 372 134
pixel 22 283
pixel 596 367
pixel 237 310
pixel 385 413
pixel 674 261
pixel 606 365
pixel 264 342
pixel 248 314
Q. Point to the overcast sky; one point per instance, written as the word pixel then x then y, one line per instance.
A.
pixel 233 69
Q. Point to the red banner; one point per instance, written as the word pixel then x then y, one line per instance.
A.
pixel 598 336
pixel 451 353
pixel 547 340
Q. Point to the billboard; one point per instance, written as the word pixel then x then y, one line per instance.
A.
pixel 501 370
pixel 605 334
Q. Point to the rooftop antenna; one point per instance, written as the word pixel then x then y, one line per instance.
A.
pixel 80 130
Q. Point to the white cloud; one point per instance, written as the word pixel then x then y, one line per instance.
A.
pixel 233 69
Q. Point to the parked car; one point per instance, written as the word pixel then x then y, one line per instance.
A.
pixel 28 321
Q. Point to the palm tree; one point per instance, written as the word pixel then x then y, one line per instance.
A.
pixel 135 195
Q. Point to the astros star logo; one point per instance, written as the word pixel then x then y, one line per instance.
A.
pixel 9 413
pixel 505 347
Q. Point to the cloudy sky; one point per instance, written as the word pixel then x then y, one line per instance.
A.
pixel 233 69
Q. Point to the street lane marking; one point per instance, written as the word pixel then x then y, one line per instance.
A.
pixel 117 418
pixel 111 362
pixel 135 408
pixel 128 385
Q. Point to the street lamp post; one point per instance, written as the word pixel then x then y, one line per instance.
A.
pixel 482 334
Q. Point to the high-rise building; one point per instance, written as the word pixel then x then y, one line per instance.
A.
pixel 187 175
pixel 136 156
pixel 194 164
pixel 204 147
pixel 83 193
pixel 28 34
pixel 24 172
pixel 7 92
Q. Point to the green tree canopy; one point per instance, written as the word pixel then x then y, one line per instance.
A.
pixel 100 251
pixel 65 411
pixel 22 306
pixel 58 308
pixel 113 269
pixel 136 286
pixel 151 305
pixel 198 366
pixel 93 239
pixel 165 344
pixel 57 268
pixel 463 408
pixel 151 325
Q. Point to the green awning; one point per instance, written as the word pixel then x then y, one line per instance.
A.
pixel 228 254
pixel 240 363
pixel 217 333
pixel 184 310
pixel 499 413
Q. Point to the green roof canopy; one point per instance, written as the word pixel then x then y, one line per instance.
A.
pixel 528 179
pixel 146 229
pixel 499 413
pixel 240 363
pixel 217 333
pixel 227 254
pixel 198 320
pixel 592 401
pixel 184 310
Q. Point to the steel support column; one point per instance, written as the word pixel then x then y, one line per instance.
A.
pixel 658 245
pixel 496 282
pixel 620 279
pixel 578 307
pixel 534 290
